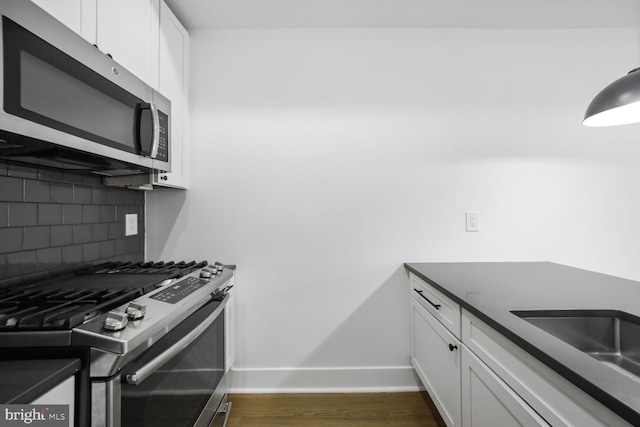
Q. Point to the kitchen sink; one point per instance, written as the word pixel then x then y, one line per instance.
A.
pixel 610 336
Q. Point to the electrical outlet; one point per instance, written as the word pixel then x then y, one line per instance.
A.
pixel 473 219
pixel 131 224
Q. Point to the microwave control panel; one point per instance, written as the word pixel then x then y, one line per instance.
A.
pixel 163 146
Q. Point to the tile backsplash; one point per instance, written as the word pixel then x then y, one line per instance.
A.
pixel 52 220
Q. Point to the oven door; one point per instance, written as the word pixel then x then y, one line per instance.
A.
pixel 180 381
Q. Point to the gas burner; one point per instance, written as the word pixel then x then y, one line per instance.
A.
pixel 69 301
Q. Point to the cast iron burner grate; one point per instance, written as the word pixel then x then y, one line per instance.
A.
pixel 63 303
pixel 57 309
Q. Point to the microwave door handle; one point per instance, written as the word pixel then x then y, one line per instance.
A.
pixel 149 146
pixel 145 371
pixel 156 130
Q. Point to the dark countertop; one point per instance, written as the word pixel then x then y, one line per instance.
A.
pixel 491 290
pixel 22 381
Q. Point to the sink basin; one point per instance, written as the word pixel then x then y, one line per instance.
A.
pixel 610 336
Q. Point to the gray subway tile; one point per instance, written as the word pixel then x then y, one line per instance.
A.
pixel 107 249
pixel 137 244
pixel 21 263
pixel 10 239
pixel 72 214
pixel 61 192
pixel 115 196
pixel 49 214
pixel 107 214
pixel 81 233
pixel 132 197
pixel 49 258
pixel 99 195
pixel 116 230
pixel 99 232
pixel 4 214
pixel 90 214
pixel 37 191
pixel 90 251
pixel 36 238
pixel 11 189
pixel 22 171
pixel 72 255
pixel 61 235
pixel 81 195
pixel 23 214
pixel 121 246
pixel 133 257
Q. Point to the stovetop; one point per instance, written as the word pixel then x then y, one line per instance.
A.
pixel 115 311
pixel 63 303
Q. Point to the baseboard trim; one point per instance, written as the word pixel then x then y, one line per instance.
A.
pixel 325 380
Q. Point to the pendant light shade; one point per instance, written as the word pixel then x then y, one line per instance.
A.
pixel 616 104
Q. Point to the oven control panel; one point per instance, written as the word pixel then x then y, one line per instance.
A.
pixel 149 316
pixel 173 294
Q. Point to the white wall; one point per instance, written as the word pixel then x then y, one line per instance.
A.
pixel 323 160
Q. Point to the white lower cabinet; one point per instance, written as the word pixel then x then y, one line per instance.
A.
pixel 554 398
pixel 476 377
pixel 62 394
pixel 435 355
pixel 489 401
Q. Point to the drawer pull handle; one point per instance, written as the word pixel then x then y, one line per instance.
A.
pixel 452 347
pixel 436 306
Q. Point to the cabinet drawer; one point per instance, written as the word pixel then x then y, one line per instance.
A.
pixel 435 355
pixel 559 402
pixel 439 305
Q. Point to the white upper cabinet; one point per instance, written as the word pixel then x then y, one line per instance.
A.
pixel 128 31
pixel 173 82
pixel 79 15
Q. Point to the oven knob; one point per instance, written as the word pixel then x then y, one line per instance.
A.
pixel 220 269
pixel 136 310
pixel 205 273
pixel 116 320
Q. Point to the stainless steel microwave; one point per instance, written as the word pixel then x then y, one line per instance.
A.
pixel 65 104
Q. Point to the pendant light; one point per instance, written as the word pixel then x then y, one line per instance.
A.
pixel 616 104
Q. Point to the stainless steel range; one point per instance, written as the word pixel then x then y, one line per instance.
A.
pixel 151 336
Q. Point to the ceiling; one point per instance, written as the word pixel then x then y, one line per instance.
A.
pixel 407 13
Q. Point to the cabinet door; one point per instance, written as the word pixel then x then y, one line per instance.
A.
pixel 78 15
pixel 128 31
pixel 435 355
pixel 173 78
pixel 62 394
pixel 488 401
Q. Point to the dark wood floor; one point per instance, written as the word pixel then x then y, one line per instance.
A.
pixel 334 409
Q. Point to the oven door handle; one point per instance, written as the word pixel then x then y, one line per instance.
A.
pixel 144 372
